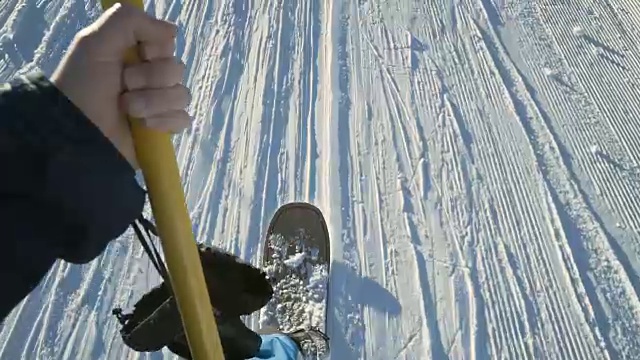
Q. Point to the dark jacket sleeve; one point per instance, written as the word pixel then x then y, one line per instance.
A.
pixel 65 190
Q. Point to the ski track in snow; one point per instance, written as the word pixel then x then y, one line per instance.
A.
pixel 478 164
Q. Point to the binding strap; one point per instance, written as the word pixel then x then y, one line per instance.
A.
pixel 148 246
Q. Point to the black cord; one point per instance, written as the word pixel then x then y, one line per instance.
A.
pixel 148 245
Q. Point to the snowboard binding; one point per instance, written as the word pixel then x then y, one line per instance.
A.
pixel 313 343
pixel 292 293
pixel 235 289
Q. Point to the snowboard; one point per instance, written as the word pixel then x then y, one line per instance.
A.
pixel 296 258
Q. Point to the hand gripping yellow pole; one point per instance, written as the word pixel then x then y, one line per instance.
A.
pixel 156 156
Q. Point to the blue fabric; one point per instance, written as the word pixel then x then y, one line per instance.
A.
pixel 277 347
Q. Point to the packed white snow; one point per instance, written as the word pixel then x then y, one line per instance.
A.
pixel 578 31
pixel 295 260
pixel 299 300
pixel 448 143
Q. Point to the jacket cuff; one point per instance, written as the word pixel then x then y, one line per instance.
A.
pixel 86 178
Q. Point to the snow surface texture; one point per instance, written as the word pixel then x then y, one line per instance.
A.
pixel 469 217
pixel 300 290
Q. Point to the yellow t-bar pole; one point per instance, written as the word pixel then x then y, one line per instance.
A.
pixel 157 159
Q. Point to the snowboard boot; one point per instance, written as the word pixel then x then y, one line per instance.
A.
pixel 238 341
pixel 312 343
pixel 235 289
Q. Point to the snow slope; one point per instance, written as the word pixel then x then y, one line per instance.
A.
pixel 477 161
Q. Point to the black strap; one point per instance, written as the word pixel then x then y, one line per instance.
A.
pixel 148 245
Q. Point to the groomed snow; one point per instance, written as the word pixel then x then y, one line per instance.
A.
pixel 477 162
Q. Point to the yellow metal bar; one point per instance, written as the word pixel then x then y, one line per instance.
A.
pixel 157 159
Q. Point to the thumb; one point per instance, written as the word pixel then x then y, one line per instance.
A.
pixel 123 26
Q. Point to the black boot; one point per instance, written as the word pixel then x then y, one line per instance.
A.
pixel 235 289
pixel 238 341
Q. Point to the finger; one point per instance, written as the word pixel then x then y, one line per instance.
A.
pixel 123 26
pixel 149 102
pixel 155 74
pixel 153 51
pixel 172 121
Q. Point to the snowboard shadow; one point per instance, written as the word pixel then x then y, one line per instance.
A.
pixel 349 294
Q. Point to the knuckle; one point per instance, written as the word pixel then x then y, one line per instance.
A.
pixel 88 38
pixel 83 34
pixel 174 67
pixel 143 50
pixel 171 65
pixel 162 70
pixel 122 12
pixel 117 15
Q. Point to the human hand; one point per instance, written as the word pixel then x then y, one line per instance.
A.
pixel 94 77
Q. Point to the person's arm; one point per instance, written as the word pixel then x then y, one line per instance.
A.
pixel 65 190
